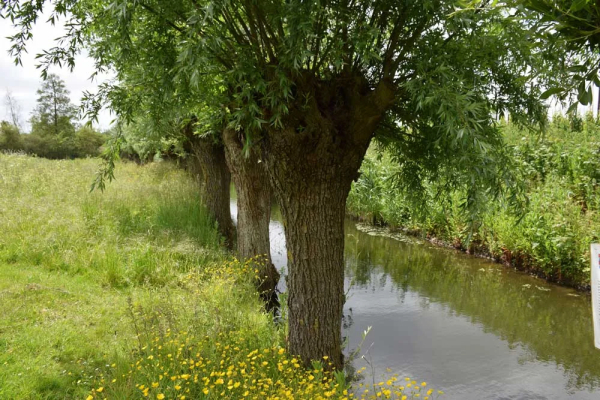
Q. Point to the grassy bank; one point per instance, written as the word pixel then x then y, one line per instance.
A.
pixel 561 171
pixel 128 294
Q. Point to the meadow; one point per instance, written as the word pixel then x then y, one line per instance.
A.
pixel 548 236
pixel 128 294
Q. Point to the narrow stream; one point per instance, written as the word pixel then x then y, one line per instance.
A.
pixel 467 326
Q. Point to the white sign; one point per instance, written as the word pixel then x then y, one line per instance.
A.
pixel 596 292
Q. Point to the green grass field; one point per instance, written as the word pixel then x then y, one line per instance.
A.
pixel 128 294
pixel 77 267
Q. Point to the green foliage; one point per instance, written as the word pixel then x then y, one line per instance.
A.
pixel 53 134
pixel 576 23
pixel 88 141
pixel 84 142
pixel 54 112
pixel 146 141
pixel 260 67
pixel 10 138
pixel 551 235
pixel 576 20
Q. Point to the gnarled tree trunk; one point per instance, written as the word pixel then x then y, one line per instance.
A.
pixel 215 180
pixel 311 164
pixel 254 211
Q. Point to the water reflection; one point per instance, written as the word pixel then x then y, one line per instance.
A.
pixel 470 326
pixel 467 326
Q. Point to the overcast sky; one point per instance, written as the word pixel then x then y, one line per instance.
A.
pixel 23 81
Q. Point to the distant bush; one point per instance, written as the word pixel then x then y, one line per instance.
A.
pixel 80 143
pixel 10 138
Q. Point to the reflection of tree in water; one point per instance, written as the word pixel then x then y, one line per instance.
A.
pixel 347 320
pixel 549 325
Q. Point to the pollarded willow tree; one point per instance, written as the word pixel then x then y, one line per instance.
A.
pixel 311 83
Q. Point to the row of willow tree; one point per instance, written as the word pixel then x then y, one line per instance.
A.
pixel 285 96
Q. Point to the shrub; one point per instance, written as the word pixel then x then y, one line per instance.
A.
pixel 85 142
pixel 10 138
pixel 561 170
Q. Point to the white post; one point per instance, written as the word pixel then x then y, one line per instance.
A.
pixel 595 251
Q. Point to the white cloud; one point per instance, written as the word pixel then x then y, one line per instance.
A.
pixel 23 81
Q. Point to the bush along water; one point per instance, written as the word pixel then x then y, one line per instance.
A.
pixel 550 236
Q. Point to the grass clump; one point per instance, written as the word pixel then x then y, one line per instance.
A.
pixel 145 228
pixel 216 346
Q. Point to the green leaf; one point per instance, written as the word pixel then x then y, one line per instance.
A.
pixel 585 95
pixel 577 68
pixel 572 108
pixel 578 5
pixel 552 91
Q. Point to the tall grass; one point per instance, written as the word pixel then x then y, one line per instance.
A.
pixel 71 259
pixel 134 233
pixel 561 171
pixel 127 294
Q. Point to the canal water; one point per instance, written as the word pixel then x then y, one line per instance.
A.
pixel 467 326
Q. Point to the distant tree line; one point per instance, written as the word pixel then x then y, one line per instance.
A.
pixel 54 131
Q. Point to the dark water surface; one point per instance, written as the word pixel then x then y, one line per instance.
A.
pixel 472 328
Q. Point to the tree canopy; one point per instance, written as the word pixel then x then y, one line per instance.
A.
pixel 54 112
pixel 262 59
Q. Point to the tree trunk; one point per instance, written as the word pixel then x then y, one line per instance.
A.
pixel 215 181
pixel 254 211
pixel 313 210
pixel 311 164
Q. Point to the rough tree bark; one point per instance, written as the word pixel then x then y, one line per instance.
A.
pixel 210 168
pixel 311 164
pixel 254 211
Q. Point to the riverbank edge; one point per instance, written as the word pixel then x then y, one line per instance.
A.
pixel 516 260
